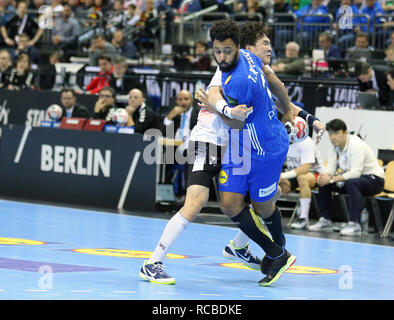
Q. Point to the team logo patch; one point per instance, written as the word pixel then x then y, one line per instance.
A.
pixel 293 269
pixel 20 242
pixel 223 177
pixel 267 191
pixel 122 253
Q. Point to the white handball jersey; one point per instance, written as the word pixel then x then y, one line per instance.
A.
pixel 210 127
pixel 304 152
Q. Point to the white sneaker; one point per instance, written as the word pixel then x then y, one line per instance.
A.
pixel 300 224
pixel 322 225
pixel 351 229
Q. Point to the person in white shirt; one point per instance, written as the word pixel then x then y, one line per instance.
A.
pixel 353 169
pixel 303 163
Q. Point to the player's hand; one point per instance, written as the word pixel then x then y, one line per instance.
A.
pixel 241 112
pixel 288 117
pixel 202 96
pixel 319 129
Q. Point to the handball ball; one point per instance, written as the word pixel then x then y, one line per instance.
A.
pixel 299 132
pixel 120 116
pixel 54 112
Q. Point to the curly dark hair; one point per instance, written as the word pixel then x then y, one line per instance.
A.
pixel 251 32
pixel 225 29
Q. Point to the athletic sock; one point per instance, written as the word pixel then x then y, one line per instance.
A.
pixel 305 204
pixel 240 240
pixel 171 233
pixel 274 225
pixel 251 224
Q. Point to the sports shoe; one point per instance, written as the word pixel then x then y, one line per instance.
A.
pixel 300 224
pixel 274 268
pixel 322 225
pixel 154 272
pixel 242 254
pixel 351 229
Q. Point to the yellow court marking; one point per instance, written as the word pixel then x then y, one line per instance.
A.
pixel 20 242
pixel 293 269
pixel 124 253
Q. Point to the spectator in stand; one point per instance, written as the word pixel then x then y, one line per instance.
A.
pixel 330 50
pixel 142 117
pixel 103 77
pixel 5 66
pixel 303 164
pixel 124 47
pixel 132 16
pixel 389 52
pixel 280 36
pixel 310 33
pixel 57 6
pixel 251 7
pixel 292 64
pixel 24 47
pixel 6 9
pixel 65 32
pixel 372 8
pixel 372 80
pixel 352 169
pixel 105 105
pixel 75 7
pixel 48 72
pixel 122 80
pixel 115 16
pixel 21 23
pixel 166 12
pixel 100 46
pixel 361 44
pixel 149 23
pixel 71 109
pixel 22 77
pixel 390 83
pixel 202 60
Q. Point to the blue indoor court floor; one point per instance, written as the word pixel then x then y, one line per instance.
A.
pixel 50 252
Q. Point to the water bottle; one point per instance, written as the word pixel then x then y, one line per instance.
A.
pixel 364 222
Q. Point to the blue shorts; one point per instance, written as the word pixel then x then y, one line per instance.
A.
pixel 261 181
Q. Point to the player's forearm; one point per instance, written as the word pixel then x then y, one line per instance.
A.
pixel 279 90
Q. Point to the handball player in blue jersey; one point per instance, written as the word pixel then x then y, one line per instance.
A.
pixel 256 154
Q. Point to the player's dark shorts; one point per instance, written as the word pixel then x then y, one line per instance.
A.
pixel 204 162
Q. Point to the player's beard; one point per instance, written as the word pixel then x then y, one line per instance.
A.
pixel 227 67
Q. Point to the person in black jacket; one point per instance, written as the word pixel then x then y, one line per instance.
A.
pixel 142 117
pixel 372 79
pixel 122 80
pixel 105 106
pixel 71 109
pixel 5 66
pixel 22 77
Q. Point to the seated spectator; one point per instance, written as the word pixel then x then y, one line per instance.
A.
pixel 106 105
pixel 372 79
pixel 5 66
pixel 121 79
pixel 65 32
pixel 6 9
pixel 373 8
pixel 183 116
pixel 330 50
pixel 22 77
pixel 24 47
pixel 20 23
pixel 280 33
pixel 71 109
pixel 142 117
pixel 389 52
pixel 132 16
pixel 292 64
pixel 100 46
pixel 103 77
pixel 57 6
pixel 390 83
pixel 202 60
pixel 360 50
pixel 48 71
pixel 124 47
pixel 352 169
pixel 250 7
pixel 115 17
pixel 149 25
pixel 303 163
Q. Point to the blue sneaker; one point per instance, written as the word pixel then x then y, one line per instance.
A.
pixel 154 272
pixel 242 254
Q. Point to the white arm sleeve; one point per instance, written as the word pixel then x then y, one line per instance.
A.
pixel 216 80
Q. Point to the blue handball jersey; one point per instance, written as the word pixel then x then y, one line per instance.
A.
pixel 266 137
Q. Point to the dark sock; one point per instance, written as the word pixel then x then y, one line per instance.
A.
pixel 274 225
pixel 250 223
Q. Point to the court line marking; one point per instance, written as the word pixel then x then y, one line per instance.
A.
pixel 22 144
pixel 127 183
